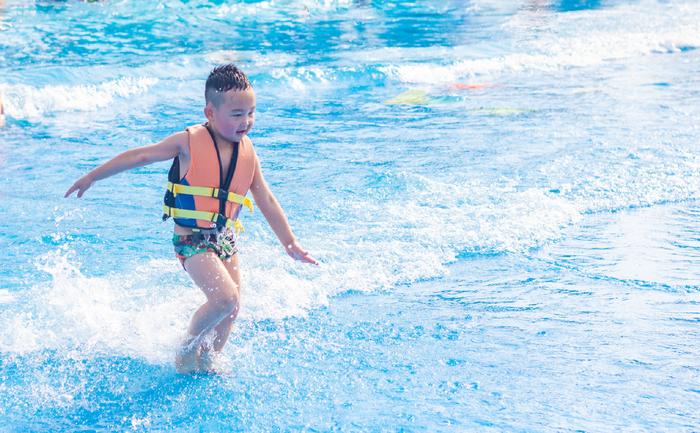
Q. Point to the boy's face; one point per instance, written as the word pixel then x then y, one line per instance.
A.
pixel 234 117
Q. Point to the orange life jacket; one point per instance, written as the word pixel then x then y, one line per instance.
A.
pixel 206 198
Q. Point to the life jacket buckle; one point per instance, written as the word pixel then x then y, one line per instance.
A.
pixel 221 221
pixel 223 194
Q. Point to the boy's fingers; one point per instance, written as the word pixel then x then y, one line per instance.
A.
pixel 70 191
pixel 302 255
pixel 309 259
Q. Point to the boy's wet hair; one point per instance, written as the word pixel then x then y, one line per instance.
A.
pixel 222 79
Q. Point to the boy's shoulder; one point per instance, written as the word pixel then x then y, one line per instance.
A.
pixel 179 137
pixel 176 142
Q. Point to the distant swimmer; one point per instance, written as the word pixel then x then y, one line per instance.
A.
pixel 214 165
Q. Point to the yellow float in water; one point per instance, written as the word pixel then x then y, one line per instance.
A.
pixel 410 97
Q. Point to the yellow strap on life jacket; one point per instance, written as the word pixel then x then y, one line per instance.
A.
pixel 207 191
pixel 202 215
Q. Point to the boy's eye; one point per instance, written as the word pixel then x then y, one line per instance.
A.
pixel 252 113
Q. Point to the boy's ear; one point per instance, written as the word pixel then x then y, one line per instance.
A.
pixel 209 111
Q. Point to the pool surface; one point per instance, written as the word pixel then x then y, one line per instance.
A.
pixel 504 196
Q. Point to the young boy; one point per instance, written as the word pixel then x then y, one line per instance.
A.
pixel 213 168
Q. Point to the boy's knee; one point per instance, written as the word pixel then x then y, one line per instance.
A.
pixel 228 303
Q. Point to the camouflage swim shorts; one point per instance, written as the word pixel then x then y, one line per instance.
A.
pixel 223 244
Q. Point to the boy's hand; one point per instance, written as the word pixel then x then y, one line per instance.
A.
pixel 81 185
pixel 296 252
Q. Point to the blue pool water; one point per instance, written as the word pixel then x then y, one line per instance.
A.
pixel 505 197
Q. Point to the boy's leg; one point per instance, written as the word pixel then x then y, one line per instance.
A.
pixel 223 329
pixel 212 277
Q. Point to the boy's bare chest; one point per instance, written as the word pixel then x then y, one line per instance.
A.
pixel 225 155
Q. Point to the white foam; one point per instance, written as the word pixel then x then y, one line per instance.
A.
pixel 23 101
pixel 134 313
pixel 596 38
pixel 297 80
pixel 666 175
pixel 94 88
pixel 245 9
pixel 273 289
pixel 130 314
pixel 370 245
pixel 272 10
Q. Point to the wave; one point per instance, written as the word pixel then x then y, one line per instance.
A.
pixel 591 50
pixel 23 101
pixel 120 314
pixel 615 178
pixel 560 41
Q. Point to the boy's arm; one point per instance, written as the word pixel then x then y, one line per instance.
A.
pixel 271 209
pixel 169 148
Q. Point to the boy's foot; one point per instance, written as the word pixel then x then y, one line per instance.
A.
pixel 206 361
pixel 213 362
pixel 186 359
